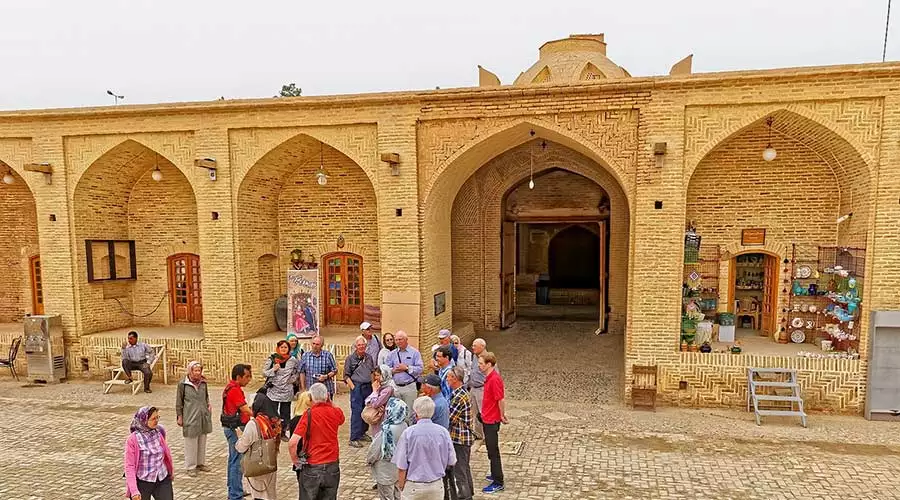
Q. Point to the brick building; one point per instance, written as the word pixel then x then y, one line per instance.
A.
pixel 453 234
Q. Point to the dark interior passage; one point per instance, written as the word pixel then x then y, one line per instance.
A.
pixel 574 259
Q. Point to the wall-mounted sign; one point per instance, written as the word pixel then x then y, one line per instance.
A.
pixel 755 236
pixel 440 303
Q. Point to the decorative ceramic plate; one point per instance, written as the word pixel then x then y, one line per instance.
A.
pixel 798 336
pixel 804 271
pixel 797 323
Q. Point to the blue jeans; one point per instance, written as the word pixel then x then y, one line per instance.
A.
pixel 235 486
pixel 358 397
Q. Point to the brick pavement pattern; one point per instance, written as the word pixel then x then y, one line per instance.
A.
pixel 66 441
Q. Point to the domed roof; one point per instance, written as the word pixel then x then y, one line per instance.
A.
pixel 574 59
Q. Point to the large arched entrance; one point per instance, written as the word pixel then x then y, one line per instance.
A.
pixel 763 223
pixel 21 291
pixel 569 190
pixel 282 207
pixel 116 202
pixel 500 231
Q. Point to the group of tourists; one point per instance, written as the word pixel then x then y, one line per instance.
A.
pixel 418 447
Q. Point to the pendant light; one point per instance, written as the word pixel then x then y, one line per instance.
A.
pixel 321 177
pixel 8 177
pixel 531 172
pixel 769 153
pixel 156 175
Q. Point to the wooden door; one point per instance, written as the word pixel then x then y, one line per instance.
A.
pixel 344 300
pixel 770 294
pixel 37 286
pixel 603 275
pixel 185 295
pixel 508 275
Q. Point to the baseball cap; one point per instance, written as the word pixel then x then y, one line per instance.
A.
pixel 365 325
pixel 432 380
pixel 443 333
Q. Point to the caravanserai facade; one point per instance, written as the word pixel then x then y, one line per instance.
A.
pixel 573 188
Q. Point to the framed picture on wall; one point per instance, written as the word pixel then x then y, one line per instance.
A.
pixel 440 303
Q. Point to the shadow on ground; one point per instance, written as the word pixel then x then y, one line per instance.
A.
pixel 559 361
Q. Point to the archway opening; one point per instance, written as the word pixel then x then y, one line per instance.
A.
pixel 796 210
pixel 283 209
pixel 21 291
pixel 574 259
pixel 117 200
pixel 504 219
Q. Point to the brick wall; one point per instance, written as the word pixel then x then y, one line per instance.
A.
pixel 117 199
pixel 18 243
pixel 281 208
pixel 796 197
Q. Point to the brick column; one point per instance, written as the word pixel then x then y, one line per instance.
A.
pixel 654 301
pixel 57 246
pixel 217 251
pixel 398 235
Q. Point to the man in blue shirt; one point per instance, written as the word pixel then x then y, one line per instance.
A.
pixel 317 365
pixel 406 365
pixel 423 454
pixel 444 340
pixel 137 356
pixel 445 364
pixel 432 389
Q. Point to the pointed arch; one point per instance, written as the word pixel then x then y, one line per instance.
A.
pixel 117 198
pixel 543 76
pixel 591 72
pixel 18 243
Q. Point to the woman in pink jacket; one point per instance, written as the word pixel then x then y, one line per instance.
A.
pixel 148 461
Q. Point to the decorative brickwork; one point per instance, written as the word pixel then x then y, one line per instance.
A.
pixel 433 227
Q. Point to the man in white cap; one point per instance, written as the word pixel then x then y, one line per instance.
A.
pixel 373 345
pixel 443 339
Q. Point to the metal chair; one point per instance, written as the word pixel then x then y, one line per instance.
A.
pixel 10 362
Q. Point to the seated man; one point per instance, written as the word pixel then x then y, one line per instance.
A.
pixel 137 356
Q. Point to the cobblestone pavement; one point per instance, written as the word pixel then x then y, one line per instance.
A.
pixel 66 441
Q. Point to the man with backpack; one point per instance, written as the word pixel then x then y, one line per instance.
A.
pixel 235 414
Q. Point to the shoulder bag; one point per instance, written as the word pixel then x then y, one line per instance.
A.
pixel 262 457
pixel 229 421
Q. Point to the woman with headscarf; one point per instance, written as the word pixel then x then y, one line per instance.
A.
pixel 381 451
pixel 296 351
pixel 148 460
pixel 265 424
pixel 383 388
pixel 194 417
pixel 389 346
pixel 281 372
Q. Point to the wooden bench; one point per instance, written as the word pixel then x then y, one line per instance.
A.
pixel 643 387
pixel 117 374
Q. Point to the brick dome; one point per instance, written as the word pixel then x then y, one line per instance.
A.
pixel 574 59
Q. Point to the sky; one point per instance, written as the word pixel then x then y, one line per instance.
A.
pixel 64 53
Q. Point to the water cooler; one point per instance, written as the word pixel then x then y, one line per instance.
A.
pixel 44 348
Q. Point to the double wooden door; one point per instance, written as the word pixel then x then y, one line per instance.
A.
pixel 344 291
pixel 185 298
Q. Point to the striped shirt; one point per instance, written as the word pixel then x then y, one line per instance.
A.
pixel 139 352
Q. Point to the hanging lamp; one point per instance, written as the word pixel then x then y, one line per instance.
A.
pixel 156 175
pixel 531 171
pixel 321 176
pixel 769 153
pixel 8 177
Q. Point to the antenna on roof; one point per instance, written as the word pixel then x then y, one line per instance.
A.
pixel 887 24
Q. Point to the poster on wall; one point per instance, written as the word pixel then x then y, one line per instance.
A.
pixel 303 302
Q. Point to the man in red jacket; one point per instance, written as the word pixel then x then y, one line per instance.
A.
pixel 321 475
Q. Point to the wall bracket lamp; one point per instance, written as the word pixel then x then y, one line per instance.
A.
pixel 209 164
pixel 393 159
pixel 44 168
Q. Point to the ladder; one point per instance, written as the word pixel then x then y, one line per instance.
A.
pixel 760 380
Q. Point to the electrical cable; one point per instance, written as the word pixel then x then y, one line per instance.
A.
pixel 126 311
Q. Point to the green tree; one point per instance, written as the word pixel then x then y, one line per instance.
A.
pixel 290 90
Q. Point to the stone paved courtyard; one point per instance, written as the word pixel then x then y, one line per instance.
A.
pixel 65 441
